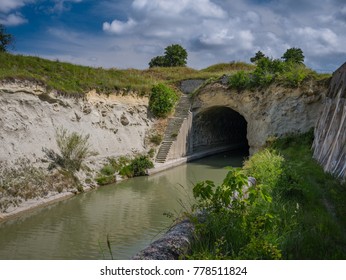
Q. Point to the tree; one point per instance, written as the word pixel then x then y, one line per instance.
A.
pixel 5 39
pixel 257 57
pixel 293 55
pixel 158 61
pixel 175 55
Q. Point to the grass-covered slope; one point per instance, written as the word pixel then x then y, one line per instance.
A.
pixel 73 79
pixel 295 211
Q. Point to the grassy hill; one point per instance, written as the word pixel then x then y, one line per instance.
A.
pixel 75 79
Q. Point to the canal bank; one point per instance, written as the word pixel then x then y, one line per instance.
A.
pixel 132 213
pixel 32 204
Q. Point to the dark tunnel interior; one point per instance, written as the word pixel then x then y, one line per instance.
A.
pixel 219 126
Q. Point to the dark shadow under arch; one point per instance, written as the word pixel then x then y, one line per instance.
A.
pixel 219 126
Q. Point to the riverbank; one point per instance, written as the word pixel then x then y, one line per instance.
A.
pixel 32 204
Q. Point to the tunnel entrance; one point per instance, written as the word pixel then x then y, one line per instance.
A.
pixel 219 127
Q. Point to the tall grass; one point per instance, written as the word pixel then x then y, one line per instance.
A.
pixel 76 79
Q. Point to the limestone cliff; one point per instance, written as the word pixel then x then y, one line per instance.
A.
pixel 29 115
pixel 274 111
pixel 330 134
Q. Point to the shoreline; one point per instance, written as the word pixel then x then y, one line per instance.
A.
pixel 36 203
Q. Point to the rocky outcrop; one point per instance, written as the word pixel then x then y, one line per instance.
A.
pixel 274 111
pixel 330 134
pixel 171 246
pixel 29 116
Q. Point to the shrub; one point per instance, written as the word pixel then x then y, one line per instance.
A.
pixel 240 80
pixel 265 166
pixel 156 139
pixel 294 74
pixel 107 170
pixel 73 148
pixel 162 100
pixel 105 180
pixel 137 167
pixel 119 163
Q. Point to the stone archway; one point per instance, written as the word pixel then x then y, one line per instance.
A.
pixel 218 126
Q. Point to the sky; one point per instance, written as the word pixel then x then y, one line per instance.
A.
pixel 128 33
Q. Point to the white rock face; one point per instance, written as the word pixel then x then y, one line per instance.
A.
pixel 330 134
pixel 29 116
pixel 274 111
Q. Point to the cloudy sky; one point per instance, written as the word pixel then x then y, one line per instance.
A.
pixel 128 33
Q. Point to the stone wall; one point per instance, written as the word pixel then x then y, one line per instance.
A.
pixel 330 134
pixel 274 111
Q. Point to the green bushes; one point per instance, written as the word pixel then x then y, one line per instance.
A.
pixel 162 100
pixel 137 167
pixel 295 211
pixel 291 72
pixel 124 166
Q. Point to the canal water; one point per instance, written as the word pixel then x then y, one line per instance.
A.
pixel 130 214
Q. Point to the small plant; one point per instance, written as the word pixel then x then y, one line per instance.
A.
pixel 137 167
pixel 156 139
pixel 240 80
pixel 162 100
pixel 73 148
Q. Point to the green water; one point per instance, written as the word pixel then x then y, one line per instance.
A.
pixel 131 213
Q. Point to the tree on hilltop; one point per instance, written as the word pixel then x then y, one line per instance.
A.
pixel 257 57
pixel 175 55
pixel 5 39
pixel 293 55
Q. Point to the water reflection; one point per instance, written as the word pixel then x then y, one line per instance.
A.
pixel 130 213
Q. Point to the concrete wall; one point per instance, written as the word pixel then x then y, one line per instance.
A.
pixel 330 134
pixel 182 145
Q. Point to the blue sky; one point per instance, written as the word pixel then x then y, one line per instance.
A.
pixel 127 34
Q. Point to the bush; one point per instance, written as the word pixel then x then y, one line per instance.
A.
pixel 137 167
pixel 162 100
pixel 266 166
pixel 156 139
pixel 294 74
pixel 119 163
pixel 240 80
pixel 73 147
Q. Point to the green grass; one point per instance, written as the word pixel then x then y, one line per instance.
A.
pixel 296 211
pixel 73 79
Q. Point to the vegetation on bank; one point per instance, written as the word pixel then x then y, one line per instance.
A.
pixel 295 211
pixel 289 71
pixel 125 166
pixel 73 79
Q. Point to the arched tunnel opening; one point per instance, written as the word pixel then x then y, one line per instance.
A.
pixel 219 127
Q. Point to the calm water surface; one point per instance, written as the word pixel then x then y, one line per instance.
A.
pixel 131 213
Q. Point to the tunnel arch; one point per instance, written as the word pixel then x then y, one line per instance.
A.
pixel 219 126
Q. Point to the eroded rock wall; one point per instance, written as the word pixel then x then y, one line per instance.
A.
pixel 29 116
pixel 274 111
pixel 330 133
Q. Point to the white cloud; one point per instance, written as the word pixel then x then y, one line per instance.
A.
pixel 169 8
pixel 12 19
pixel 9 5
pixel 119 27
pixel 62 5
pixel 318 41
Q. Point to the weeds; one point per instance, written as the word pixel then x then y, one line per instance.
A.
pixel 23 181
pixel 295 211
